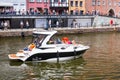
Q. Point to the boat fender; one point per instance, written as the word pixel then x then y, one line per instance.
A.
pixel 22 34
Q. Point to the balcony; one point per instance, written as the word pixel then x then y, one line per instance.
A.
pixel 59 4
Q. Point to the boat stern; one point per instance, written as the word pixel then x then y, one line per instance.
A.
pixel 13 57
pixel 19 56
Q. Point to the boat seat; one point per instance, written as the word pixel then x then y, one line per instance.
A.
pixel 13 55
pixel 58 41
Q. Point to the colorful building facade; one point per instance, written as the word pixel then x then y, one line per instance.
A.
pixel 59 6
pixel 77 7
pixel 103 7
pixel 48 6
pixel 39 6
pixel 10 5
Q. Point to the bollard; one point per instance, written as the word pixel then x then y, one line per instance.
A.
pixel 22 34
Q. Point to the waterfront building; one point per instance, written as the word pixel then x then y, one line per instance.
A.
pixel 13 5
pixel 59 6
pixel 38 6
pixel 103 7
pixel 77 7
pixel 48 6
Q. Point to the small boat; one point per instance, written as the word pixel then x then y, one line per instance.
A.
pixel 43 49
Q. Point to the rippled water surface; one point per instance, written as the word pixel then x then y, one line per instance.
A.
pixel 100 62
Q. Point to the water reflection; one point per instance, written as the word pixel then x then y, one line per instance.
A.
pixel 52 71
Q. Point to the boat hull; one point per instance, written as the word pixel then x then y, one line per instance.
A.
pixel 59 56
pixel 51 57
pixel 50 54
pixel 41 48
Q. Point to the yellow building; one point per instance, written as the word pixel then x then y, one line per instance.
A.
pixel 77 7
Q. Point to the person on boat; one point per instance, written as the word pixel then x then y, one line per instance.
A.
pixel 31 46
pixel 50 41
pixel 73 42
pixel 66 40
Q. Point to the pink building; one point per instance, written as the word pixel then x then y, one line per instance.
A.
pixel 39 6
pixel 48 6
pixel 103 7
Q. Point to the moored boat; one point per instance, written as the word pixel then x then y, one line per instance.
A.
pixel 43 48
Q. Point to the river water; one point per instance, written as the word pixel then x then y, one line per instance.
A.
pixel 100 62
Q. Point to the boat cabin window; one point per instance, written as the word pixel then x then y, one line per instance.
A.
pixel 54 40
pixel 38 39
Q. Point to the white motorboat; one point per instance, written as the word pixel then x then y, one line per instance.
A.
pixel 41 49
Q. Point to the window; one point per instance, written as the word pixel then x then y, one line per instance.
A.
pixel 93 2
pixel 76 12
pixel 115 3
pixel 15 4
pixel 38 39
pixel 119 4
pixel 76 3
pixel 63 0
pixel 22 4
pixel 119 14
pixel 71 12
pixel 38 0
pixel 56 1
pixel 81 12
pixel 109 2
pixel 31 0
pixel 98 3
pixel 45 1
pixel 71 3
pixel 103 2
pixel 81 3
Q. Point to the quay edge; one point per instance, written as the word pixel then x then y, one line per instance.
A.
pixel 28 32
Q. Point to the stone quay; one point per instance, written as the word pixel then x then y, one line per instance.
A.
pixel 28 32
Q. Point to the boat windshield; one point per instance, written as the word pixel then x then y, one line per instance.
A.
pixel 38 39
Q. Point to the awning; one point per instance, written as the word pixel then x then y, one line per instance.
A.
pixel 3 4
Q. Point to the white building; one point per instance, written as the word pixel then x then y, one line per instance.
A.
pixel 17 4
